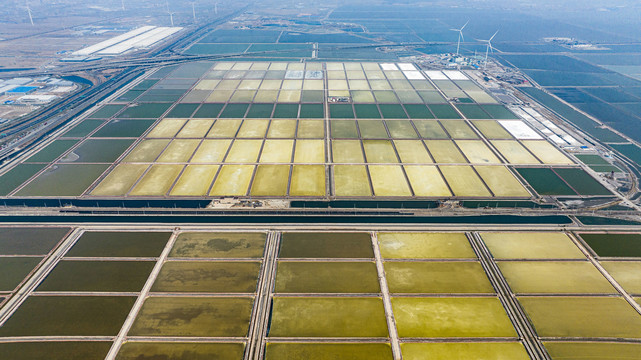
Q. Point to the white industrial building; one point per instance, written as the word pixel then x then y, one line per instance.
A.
pixel 139 38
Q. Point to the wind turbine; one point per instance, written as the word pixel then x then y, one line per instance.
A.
pixel 29 12
pixel 193 10
pixel 460 36
pixel 489 47
pixel 122 2
pixel 216 8
pixel 171 15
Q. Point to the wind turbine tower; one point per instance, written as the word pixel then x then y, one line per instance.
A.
pixel 216 8
pixel 122 2
pixel 193 10
pixel 460 37
pixel 489 47
pixel 29 12
pixel 171 15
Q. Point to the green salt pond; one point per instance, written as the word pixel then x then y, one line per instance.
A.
pixel 63 180
pixel 52 151
pixel 119 244
pixel 180 351
pixel 344 129
pixel 29 241
pixel 437 277
pixel 123 128
pixel 327 351
pixel 13 178
pixel 559 277
pixel 190 316
pixel 372 129
pixel 459 129
pixel 626 273
pixel 614 245
pixel 145 111
pixel 430 129
pixel 120 180
pixel 326 245
pixel 282 128
pixel 69 315
pixel 328 317
pixel 210 277
pixel 451 317
pixel 582 317
pixel 14 270
pixel 401 129
pixel 592 350
pixel 464 351
pixel 98 151
pixel 531 245
pixel 106 111
pixel 64 350
pixel 425 246
pixel 107 276
pixel 219 245
pixel 379 151
pixel 326 277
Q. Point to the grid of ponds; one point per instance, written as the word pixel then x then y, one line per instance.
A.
pixel 323 295
pixel 315 130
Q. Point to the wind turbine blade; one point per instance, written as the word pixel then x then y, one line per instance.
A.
pixel 492 38
pixel 462 37
pixel 454 30
pixel 465 25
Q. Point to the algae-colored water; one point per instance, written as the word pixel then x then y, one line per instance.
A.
pixel 190 316
pixel 179 151
pixel 146 151
pixel 211 151
pixel 427 181
pixel 326 245
pixel 270 180
pixel 451 317
pixel 167 128
pixel 328 317
pixel 64 350
pixel 326 277
pixel 558 277
pixel 69 315
pixel 308 180
pixel 327 351
pixel 347 151
pixel 588 317
pixel 14 270
pixel 181 351
pixel 107 276
pixel 224 128
pixel 120 180
pixel 531 245
pixel 514 152
pixel 464 351
pixel 157 181
pixel 380 151
pixel 195 180
pixel 219 245
pixel 477 152
pixel 244 151
pixel 546 152
pixel 30 240
pixel 412 152
pixel 501 181
pixel 351 180
pixel 464 181
pixel 311 129
pixel 119 244
pixel 207 277
pixel 445 152
pixel 626 273
pixel 196 128
pixel 491 129
pixel 277 151
pixel 389 181
pixel 592 350
pixel 232 180
pixel 63 180
pixel 614 245
pixel 437 277
pixel 425 246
